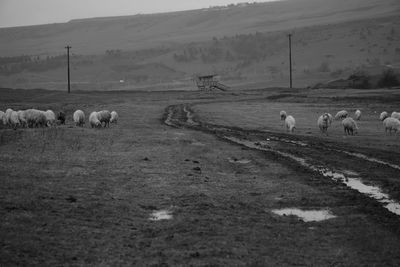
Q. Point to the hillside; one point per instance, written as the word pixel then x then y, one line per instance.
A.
pixel 90 36
pixel 243 43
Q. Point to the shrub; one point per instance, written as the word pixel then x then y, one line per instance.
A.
pixel 388 79
pixel 360 80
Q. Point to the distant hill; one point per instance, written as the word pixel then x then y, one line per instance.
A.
pixel 243 43
pixel 91 36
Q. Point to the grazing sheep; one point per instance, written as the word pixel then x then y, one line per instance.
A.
pixel 330 118
pixel 114 117
pixel 391 124
pixel 22 118
pixel 8 116
pixel 93 120
pixel 383 116
pixel 341 115
pixel 283 115
pixel 50 117
pixel 323 123
pixel 35 118
pixel 14 121
pixel 3 118
pixel 396 115
pixel 350 126
pixel 79 118
pixel 104 116
pixel 61 117
pixel 290 123
pixel 357 115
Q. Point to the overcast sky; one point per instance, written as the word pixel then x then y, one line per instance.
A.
pixel 30 12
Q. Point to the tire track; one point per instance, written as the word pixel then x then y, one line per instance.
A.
pixel 182 116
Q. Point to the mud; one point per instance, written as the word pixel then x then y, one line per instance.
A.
pixel 305 154
pixel 239 161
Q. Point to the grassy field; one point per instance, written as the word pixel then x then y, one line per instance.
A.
pixel 82 196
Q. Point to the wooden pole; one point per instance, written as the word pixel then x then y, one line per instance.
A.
pixel 290 59
pixel 68 72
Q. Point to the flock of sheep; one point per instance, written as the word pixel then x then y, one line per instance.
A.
pixel 391 123
pixel 34 118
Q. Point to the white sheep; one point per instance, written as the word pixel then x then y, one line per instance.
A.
pixel 290 123
pixel 350 126
pixel 323 123
pixel 3 118
pixel 50 117
pixel 104 116
pixel 8 116
pixel 391 124
pixel 22 118
pixel 14 121
pixel 35 118
pixel 283 115
pixel 396 115
pixel 330 118
pixel 79 118
pixel 93 120
pixel 357 115
pixel 383 116
pixel 114 117
pixel 341 115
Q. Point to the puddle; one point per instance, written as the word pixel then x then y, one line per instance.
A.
pixel 189 116
pixel 169 118
pixel 306 215
pixel 369 190
pixel 197 143
pixel 239 161
pixel 352 182
pixel 159 215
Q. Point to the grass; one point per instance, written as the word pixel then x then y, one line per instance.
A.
pixel 82 196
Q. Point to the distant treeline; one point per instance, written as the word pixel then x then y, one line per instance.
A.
pixel 17 64
pixel 12 65
pixel 241 47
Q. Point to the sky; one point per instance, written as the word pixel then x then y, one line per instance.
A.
pixel 32 12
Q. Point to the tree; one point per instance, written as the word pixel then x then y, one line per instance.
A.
pixel 388 79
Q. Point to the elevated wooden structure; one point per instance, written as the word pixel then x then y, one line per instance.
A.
pixel 210 82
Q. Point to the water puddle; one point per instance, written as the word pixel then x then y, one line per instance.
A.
pixel 197 143
pixel 159 215
pixel 369 190
pixel 239 161
pixel 189 116
pixel 169 118
pixel 350 180
pixel 306 215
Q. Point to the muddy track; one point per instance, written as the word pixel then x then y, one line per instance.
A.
pixel 358 169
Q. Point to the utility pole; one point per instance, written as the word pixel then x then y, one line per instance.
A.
pixel 290 58
pixel 69 80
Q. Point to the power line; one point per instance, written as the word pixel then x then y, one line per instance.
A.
pixel 69 78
